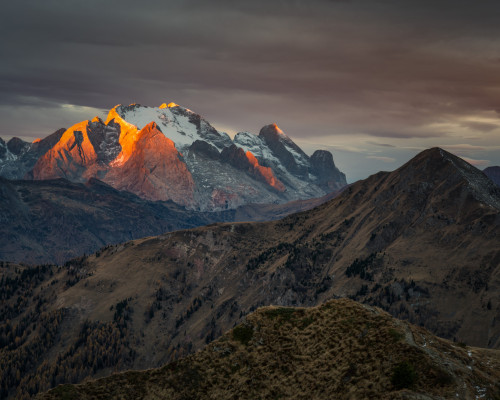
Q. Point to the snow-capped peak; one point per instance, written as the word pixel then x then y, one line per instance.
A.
pixel 179 124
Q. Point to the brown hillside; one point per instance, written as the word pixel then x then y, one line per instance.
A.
pixel 421 242
pixel 341 350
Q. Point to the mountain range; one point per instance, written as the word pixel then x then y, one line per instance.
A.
pixel 420 242
pixel 145 171
pixel 171 153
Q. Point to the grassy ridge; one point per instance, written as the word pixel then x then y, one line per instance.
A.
pixel 340 349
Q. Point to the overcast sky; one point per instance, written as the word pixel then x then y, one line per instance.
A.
pixel 373 81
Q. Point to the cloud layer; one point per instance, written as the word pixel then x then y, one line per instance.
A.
pixel 381 78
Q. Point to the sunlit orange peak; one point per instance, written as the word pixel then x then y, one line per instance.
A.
pixel 277 129
pixel 251 158
pixel 169 105
pixel 96 119
pixel 37 140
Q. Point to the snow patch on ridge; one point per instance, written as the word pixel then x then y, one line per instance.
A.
pixel 299 158
pixel 250 142
pixel 175 122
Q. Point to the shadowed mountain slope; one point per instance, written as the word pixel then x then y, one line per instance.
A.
pixel 55 220
pixel 52 221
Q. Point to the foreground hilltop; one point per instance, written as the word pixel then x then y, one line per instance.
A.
pixel 340 349
pixel 171 153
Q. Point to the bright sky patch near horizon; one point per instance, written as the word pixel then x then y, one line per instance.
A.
pixel 375 82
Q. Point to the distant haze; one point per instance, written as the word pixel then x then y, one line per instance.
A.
pixel 373 81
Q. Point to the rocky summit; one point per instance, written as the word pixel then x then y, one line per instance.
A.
pixel 171 153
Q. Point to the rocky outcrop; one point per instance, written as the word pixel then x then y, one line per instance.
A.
pixel 143 162
pixel 284 149
pixel 289 163
pixel 41 146
pixel 105 139
pixel 205 149
pixel 17 146
pixel 329 177
pixel 247 162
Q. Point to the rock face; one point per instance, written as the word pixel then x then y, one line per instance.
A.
pixel 237 157
pixel 143 162
pixel 192 164
pixel 17 146
pixel 155 170
pixel 290 164
pixel 105 139
pixel 324 168
pixel 493 173
pixel 73 157
pixel 17 157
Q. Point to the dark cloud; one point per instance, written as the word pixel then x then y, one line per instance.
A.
pixel 381 68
